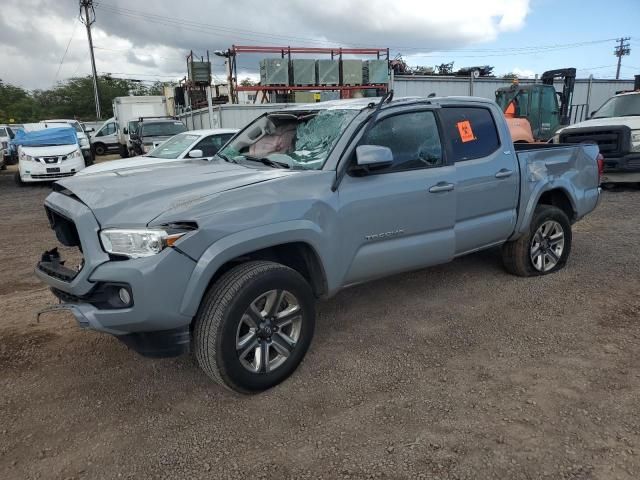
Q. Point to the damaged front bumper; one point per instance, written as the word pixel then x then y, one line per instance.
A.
pixel 137 300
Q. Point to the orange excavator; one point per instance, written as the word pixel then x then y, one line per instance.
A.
pixel 534 112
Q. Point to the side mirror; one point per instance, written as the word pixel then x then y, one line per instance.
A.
pixel 371 157
pixel 90 129
pixel 195 154
pixel 125 130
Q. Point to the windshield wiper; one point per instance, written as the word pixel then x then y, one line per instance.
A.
pixel 225 158
pixel 267 161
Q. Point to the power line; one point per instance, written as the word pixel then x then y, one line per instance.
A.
pixel 64 55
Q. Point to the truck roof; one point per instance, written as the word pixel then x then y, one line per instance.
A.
pixel 362 103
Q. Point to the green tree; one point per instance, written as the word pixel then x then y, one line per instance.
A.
pixel 72 98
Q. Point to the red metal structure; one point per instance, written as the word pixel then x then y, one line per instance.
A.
pixel 286 52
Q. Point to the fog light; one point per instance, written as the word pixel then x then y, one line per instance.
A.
pixel 125 296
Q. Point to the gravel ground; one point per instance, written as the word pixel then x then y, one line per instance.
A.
pixel 459 371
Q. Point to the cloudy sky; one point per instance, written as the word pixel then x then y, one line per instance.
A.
pixel 42 41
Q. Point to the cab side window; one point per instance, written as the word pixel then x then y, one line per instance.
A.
pixel 211 144
pixel 470 131
pixel 413 139
pixel 108 129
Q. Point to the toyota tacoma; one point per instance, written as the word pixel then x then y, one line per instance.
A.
pixel 225 257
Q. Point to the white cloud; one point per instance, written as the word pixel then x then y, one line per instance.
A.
pixel 136 45
pixel 523 72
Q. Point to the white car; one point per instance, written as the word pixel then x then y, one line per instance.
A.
pixel 184 146
pixel 46 162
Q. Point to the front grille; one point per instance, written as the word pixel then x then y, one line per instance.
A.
pixel 54 175
pixel 611 141
pixel 608 141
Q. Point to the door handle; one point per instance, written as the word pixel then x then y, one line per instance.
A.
pixel 441 187
pixel 504 173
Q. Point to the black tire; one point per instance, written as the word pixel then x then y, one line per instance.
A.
pixel 218 321
pixel 99 149
pixel 124 151
pixel 4 166
pixel 516 255
pixel 18 180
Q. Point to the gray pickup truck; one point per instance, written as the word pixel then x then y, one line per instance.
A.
pixel 226 257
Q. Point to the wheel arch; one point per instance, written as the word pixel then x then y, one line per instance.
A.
pixel 298 252
pixel 560 198
pixel 556 195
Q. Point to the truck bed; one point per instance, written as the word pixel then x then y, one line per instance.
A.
pixel 566 167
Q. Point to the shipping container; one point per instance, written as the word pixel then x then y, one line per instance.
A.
pixel 304 72
pixel 327 72
pixel 274 71
pixel 375 72
pixel 352 72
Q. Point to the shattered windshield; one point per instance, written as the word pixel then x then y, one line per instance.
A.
pixel 298 140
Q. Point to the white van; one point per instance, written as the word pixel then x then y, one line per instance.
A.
pixel 106 138
pixel 83 137
pixel 44 159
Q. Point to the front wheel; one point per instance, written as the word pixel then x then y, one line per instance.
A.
pixel 544 249
pixel 18 179
pixel 99 149
pixel 254 326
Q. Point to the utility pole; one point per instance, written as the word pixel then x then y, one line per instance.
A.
pixel 621 50
pixel 89 18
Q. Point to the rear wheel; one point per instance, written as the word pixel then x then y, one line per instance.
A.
pixel 544 249
pixel 254 326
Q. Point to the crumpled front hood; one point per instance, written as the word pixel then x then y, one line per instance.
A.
pixel 134 197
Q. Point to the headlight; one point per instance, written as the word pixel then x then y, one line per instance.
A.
pixel 635 140
pixel 136 243
pixel 74 154
pixel 26 158
pixel 84 143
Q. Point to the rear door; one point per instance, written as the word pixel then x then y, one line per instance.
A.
pixel 486 177
pixel 400 217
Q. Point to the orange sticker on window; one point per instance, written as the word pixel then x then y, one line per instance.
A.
pixel 465 131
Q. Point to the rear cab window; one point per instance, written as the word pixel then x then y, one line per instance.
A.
pixel 470 132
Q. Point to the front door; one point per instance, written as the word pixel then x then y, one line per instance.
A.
pixel 486 178
pixel 400 217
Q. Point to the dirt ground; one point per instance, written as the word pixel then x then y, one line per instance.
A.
pixel 455 372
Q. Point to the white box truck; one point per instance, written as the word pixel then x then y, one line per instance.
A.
pixel 127 111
